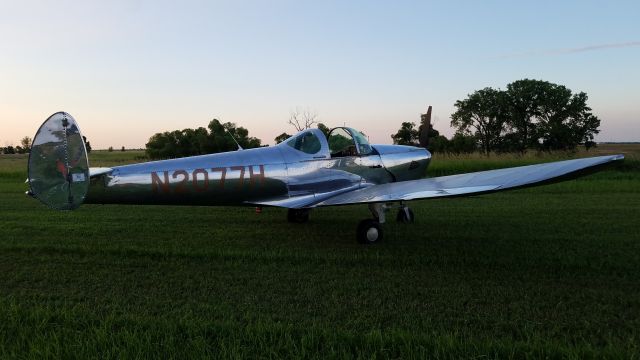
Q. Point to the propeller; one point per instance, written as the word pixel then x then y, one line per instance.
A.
pixel 425 126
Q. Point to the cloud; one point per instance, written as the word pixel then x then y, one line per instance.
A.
pixel 552 52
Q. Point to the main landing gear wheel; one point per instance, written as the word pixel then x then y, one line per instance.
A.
pixel 405 215
pixel 369 231
pixel 298 216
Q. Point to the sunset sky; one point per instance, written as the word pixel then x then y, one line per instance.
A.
pixel 128 69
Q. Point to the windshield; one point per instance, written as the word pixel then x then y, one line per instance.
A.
pixel 363 144
pixel 348 142
pixel 341 143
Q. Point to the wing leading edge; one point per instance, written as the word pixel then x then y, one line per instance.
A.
pixel 472 183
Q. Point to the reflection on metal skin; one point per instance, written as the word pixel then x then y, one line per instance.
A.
pixel 404 162
pixel 474 183
pixel 217 179
pixel 270 175
pixel 58 167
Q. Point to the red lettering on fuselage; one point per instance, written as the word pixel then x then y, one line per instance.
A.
pixel 200 179
pixel 182 185
pixel 241 177
pixel 205 182
pixel 223 175
pixel 259 177
pixel 157 185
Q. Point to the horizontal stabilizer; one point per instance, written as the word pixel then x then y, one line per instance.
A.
pixel 97 171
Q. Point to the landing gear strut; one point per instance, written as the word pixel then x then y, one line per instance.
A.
pixel 405 215
pixel 298 216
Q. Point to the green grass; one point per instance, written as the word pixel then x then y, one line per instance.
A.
pixel 547 272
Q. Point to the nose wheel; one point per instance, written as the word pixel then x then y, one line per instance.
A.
pixel 370 230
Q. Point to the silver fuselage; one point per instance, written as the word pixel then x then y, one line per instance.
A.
pixel 269 175
pixel 310 169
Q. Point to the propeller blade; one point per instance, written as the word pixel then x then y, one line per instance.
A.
pixel 425 125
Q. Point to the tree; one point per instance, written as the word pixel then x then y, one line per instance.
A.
pixel 26 144
pixel 549 116
pixel 439 144
pixel 302 119
pixel 325 130
pixel 122 149
pixel 217 137
pixel 462 144
pixel 529 114
pixel 158 142
pixel 522 98
pixel 224 135
pixel 407 135
pixel 282 137
pixel 564 119
pixel 241 135
pixel 482 114
pixel 110 149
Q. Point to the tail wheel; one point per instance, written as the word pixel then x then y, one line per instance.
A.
pixel 369 232
pixel 405 215
pixel 298 216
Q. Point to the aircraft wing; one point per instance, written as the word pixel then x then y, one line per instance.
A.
pixel 471 183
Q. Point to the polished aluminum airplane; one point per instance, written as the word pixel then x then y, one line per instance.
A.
pixel 306 171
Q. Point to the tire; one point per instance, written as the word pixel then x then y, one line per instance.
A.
pixel 405 217
pixel 369 232
pixel 298 216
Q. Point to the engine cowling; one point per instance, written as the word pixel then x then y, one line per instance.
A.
pixel 404 162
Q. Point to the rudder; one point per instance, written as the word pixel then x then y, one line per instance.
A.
pixel 58 164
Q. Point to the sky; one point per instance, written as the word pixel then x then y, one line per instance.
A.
pixel 128 69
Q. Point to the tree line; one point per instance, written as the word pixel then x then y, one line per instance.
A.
pixel 529 114
pixel 217 137
pixel 460 143
pixel 23 148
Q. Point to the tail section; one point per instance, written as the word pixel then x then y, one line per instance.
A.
pixel 58 164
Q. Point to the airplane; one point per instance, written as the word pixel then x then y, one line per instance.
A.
pixel 306 171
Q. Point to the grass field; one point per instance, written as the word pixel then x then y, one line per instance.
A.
pixel 547 272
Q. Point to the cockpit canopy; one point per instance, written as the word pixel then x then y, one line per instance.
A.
pixel 307 142
pixel 342 141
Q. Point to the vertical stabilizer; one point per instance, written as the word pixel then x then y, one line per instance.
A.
pixel 58 165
